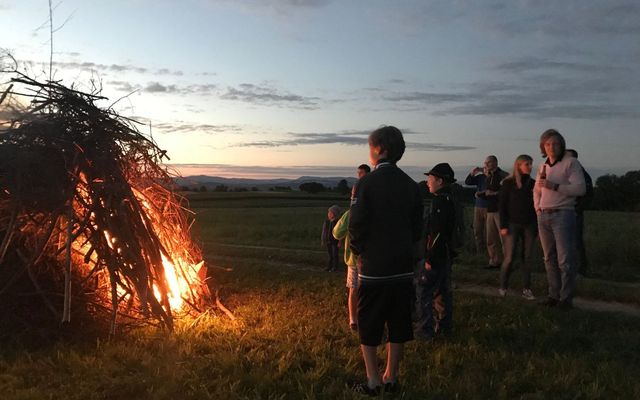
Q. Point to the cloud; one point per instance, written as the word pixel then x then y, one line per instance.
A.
pixel 157 87
pixel 186 127
pixel 569 18
pixel 536 88
pixel 115 68
pixel 264 95
pixel 349 138
pixel 537 64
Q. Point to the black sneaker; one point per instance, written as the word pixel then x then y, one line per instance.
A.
pixel 549 302
pixel 392 387
pixel 363 388
pixel 492 266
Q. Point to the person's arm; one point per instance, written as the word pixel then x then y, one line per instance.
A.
pixel 417 215
pixel 441 218
pixel 358 221
pixel 576 186
pixel 471 180
pixel 341 230
pixel 324 239
pixel 537 192
pixel 503 205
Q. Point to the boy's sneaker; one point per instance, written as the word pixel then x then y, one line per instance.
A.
pixel 528 294
pixel 549 302
pixel 502 292
pixel 392 387
pixel 363 388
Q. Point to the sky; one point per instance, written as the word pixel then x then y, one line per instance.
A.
pixel 283 88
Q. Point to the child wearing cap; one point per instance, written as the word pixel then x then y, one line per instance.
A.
pixel 327 238
pixel 433 289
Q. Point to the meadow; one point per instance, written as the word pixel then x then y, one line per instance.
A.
pixel 291 340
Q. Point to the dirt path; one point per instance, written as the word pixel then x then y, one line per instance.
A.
pixel 579 302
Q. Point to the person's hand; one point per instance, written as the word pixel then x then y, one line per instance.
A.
pixel 427 266
pixel 545 183
pixel 490 192
pixel 504 232
pixel 475 170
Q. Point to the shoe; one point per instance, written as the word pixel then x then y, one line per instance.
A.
pixel 549 302
pixel 528 294
pixel 353 326
pixel 392 387
pixel 491 266
pixel 424 336
pixel 502 292
pixel 363 388
pixel 565 305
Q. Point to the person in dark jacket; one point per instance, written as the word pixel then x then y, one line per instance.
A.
pixel 478 178
pixel 386 223
pixel 495 175
pixel 327 239
pixel 581 203
pixel 433 289
pixel 518 222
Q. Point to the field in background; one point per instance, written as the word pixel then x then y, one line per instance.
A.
pixel 291 339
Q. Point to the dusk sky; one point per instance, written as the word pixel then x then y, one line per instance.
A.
pixel 293 87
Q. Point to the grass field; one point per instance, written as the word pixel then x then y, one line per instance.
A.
pixel 291 340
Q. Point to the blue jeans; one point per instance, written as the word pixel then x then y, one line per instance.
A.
pixel 557 232
pixel 434 308
pixel 525 233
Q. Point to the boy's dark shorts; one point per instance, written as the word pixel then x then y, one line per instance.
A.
pixel 388 303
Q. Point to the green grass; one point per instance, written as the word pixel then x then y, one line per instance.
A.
pixel 291 339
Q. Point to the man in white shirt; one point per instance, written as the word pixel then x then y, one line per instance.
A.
pixel 559 182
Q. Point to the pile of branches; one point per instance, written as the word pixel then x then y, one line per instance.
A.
pixel 87 211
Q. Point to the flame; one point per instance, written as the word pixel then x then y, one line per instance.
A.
pixel 181 270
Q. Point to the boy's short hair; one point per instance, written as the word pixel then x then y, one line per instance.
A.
pixel 335 210
pixel 390 139
pixel 365 168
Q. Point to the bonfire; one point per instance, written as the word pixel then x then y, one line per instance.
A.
pixel 88 211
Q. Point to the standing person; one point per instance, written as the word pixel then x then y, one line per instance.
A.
pixel 341 232
pixel 518 223
pixel 386 223
pixel 433 289
pixel 493 181
pixel 362 170
pixel 478 179
pixel 328 240
pixel 559 182
pixel 581 203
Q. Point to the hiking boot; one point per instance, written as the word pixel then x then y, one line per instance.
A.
pixel 549 302
pixel 502 292
pixel 528 294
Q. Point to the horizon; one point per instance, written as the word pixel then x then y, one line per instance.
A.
pixel 295 172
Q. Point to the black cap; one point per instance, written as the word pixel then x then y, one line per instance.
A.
pixel 444 171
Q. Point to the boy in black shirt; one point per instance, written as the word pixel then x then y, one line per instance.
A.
pixel 433 287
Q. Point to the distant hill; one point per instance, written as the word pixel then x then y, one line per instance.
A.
pixel 210 182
